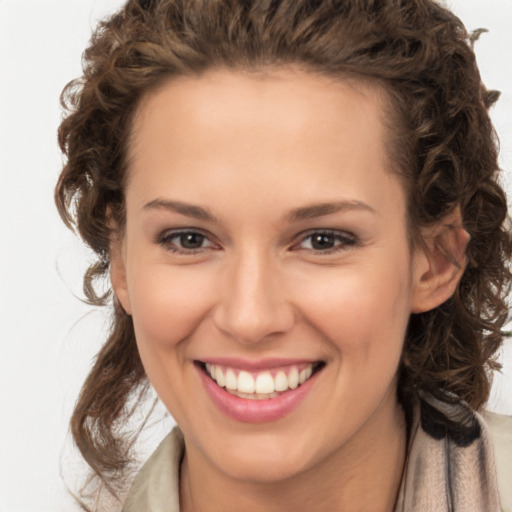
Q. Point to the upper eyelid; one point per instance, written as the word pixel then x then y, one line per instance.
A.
pixel 335 232
pixel 168 233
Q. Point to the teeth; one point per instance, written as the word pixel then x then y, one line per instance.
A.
pixel 254 396
pixel 293 378
pixel 231 380
pixel 281 382
pixel 245 382
pixel 259 386
pixel 264 383
pixel 219 377
pixel 305 374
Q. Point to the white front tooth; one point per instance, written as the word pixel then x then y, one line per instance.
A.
pixel 245 382
pixel 280 382
pixel 231 381
pixel 264 383
pixel 309 371
pixel 219 376
pixel 293 378
pixel 303 376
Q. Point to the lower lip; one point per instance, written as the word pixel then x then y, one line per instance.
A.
pixel 256 411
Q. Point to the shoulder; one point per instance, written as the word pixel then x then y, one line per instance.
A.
pixel 157 483
pixel 500 429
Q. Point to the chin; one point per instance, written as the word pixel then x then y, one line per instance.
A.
pixel 269 470
pixel 265 459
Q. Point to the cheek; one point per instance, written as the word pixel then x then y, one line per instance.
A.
pixel 168 306
pixel 167 303
pixel 363 310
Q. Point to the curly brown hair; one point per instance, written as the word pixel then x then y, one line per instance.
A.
pixel 443 145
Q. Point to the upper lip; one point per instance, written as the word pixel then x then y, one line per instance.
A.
pixel 257 365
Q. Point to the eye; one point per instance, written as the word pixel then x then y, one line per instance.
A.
pixel 185 242
pixel 326 241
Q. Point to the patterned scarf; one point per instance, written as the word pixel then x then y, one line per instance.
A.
pixel 449 465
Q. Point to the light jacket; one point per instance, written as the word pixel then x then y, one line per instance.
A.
pixel 446 470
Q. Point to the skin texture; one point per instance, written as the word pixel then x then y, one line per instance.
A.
pixel 250 149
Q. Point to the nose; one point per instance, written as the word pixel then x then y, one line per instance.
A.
pixel 252 306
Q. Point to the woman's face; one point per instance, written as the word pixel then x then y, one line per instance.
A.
pixel 265 242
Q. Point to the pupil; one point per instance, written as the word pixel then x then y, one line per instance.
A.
pixel 322 241
pixel 191 240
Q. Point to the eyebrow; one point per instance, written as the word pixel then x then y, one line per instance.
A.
pixel 189 210
pixel 319 210
pixel 299 214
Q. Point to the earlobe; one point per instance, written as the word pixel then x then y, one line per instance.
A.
pixel 439 263
pixel 118 273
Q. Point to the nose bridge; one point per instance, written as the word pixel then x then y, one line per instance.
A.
pixel 253 305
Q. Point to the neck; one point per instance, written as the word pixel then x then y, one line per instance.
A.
pixel 361 476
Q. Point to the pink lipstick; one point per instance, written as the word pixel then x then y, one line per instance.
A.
pixel 266 391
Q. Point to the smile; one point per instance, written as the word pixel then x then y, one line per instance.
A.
pixel 255 393
pixel 262 385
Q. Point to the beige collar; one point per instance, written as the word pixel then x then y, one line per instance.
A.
pixel 440 474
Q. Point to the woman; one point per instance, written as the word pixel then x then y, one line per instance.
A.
pixel 297 203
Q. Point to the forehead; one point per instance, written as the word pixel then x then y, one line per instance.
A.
pixel 288 98
pixel 285 133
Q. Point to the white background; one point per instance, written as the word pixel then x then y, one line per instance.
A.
pixel 47 336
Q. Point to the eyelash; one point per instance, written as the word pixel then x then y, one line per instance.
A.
pixel 345 241
pixel 166 240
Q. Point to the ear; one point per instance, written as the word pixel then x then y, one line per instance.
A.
pixel 118 269
pixel 439 263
